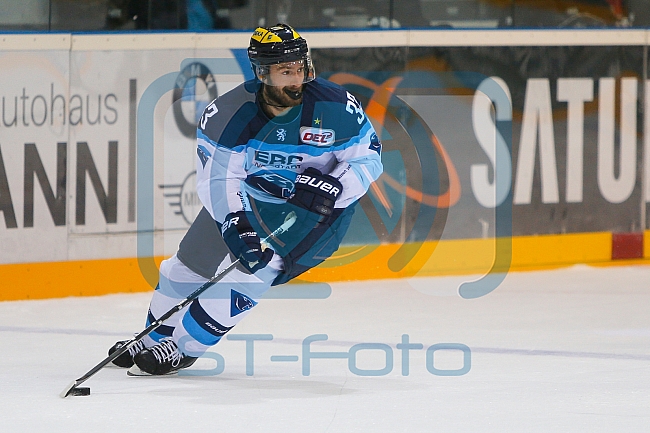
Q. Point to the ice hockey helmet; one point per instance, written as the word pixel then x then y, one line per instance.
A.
pixel 278 44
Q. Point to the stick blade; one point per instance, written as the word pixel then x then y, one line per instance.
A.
pixel 68 389
pixel 81 390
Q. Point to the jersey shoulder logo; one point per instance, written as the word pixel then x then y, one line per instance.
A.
pixel 203 154
pixel 375 144
pixel 317 136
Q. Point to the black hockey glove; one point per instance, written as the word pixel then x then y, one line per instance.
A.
pixel 244 242
pixel 316 192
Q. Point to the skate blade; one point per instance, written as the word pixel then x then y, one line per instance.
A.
pixel 136 372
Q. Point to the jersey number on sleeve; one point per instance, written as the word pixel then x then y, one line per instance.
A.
pixel 353 107
pixel 210 111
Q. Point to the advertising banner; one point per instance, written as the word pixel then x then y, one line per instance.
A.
pixel 68 146
pixel 578 121
pixel 481 145
pixel 34 134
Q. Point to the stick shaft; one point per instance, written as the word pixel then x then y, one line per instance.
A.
pixel 154 325
pixel 185 302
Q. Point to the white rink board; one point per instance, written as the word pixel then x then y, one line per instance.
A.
pixel 60 99
pixel 62 92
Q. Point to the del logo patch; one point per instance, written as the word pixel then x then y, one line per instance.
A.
pixel 317 136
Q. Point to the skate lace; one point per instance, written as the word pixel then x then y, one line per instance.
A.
pixel 166 351
pixel 136 348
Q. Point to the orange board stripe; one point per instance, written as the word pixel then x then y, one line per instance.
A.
pixel 350 263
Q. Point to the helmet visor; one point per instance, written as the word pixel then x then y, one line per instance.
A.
pixel 287 73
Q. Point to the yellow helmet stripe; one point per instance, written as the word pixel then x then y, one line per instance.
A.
pixel 268 36
pixel 258 34
pixel 271 37
pixel 264 36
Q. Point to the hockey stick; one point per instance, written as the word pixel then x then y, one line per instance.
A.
pixel 73 387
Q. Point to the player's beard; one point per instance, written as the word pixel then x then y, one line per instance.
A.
pixel 277 96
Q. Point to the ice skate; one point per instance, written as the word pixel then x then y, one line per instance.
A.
pixel 161 359
pixel 125 360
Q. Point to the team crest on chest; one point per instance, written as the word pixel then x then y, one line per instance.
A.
pixel 282 134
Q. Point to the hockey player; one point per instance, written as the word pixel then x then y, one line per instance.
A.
pixel 283 142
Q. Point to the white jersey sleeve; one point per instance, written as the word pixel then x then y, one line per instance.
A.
pixel 220 169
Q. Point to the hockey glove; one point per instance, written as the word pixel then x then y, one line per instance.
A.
pixel 244 242
pixel 316 192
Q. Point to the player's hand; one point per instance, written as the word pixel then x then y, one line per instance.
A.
pixel 316 192
pixel 244 242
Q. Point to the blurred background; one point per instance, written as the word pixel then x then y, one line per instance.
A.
pixel 196 15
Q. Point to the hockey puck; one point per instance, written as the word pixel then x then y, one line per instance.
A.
pixel 80 391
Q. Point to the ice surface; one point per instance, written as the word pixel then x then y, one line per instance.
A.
pixel 552 351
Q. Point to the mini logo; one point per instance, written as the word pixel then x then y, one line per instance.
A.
pixel 316 136
pixel 183 198
pixel 282 134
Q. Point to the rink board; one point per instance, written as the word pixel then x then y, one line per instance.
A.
pixel 97 153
